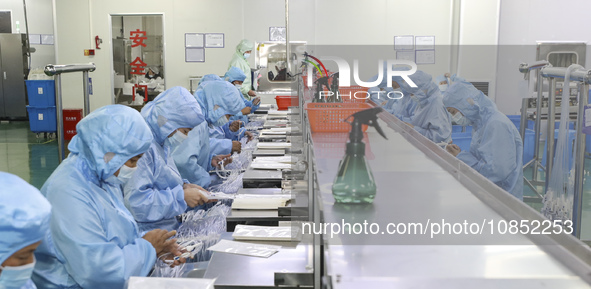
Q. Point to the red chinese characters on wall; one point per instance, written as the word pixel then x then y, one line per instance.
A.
pixel 138 37
pixel 137 66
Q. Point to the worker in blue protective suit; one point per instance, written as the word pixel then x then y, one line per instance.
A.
pixel 240 60
pixel 496 150
pixel 206 79
pixel 404 109
pixel 236 77
pixel 445 80
pixel 218 144
pixel 157 193
pixel 383 95
pixel 24 221
pixel 391 98
pixel 219 100
pixel 430 117
pixel 193 156
pixel 94 242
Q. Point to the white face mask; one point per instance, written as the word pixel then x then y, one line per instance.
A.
pixel 246 55
pixel 442 87
pixel 221 121
pixel 459 119
pixel 239 86
pixel 125 173
pixel 17 276
pixel 176 139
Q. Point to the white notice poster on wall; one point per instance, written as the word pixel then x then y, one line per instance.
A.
pixel 404 42
pixel 214 40
pixel 405 55
pixel 194 40
pixel 194 54
pixel 47 39
pixel 35 39
pixel 425 42
pixel 425 57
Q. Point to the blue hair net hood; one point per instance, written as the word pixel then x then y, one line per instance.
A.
pixel 172 109
pixel 24 215
pixel 234 73
pixel 425 87
pixel 219 98
pixel 108 137
pixel 471 102
pixel 206 78
pixel 440 78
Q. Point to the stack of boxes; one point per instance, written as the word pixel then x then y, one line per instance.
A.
pixel 41 108
pixel 42 113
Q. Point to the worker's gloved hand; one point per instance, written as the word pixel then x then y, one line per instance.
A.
pixel 193 196
pixel 453 149
pixel 215 161
pixel 235 126
pixel 160 240
pixel 236 146
pixel 246 110
pixel 256 100
pixel 252 93
pixel 248 135
pixel 170 257
pixel 172 254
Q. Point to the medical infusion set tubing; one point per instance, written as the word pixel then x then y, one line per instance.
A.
pixel 526 69
pixel 583 77
pixel 550 129
pixel 56 71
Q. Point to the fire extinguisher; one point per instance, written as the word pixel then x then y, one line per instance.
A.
pixel 97 42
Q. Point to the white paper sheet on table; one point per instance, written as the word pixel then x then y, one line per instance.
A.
pixel 274 132
pixel 259 202
pixel 283 129
pixel 273 145
pixel 248 249
pixel 177 283
pixel 265 233
pixel 270 166
pixel 281 159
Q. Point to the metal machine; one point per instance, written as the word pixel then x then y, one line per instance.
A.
pixel 13 68
pixel 270 59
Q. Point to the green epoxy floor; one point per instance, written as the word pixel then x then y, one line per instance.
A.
pixel 34 159
pixel 25 155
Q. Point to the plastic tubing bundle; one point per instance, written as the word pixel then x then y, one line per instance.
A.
pixel 204 227
pixel 558 201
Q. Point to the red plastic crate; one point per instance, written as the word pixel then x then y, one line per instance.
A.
pixel 285 101
pixel 328 117
pixel 353 94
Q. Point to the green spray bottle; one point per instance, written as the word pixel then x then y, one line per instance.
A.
pixel 354 182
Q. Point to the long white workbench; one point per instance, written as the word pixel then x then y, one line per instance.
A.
pixel 415 188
